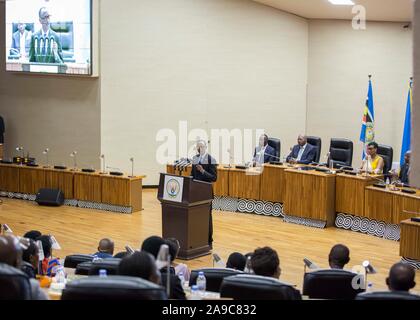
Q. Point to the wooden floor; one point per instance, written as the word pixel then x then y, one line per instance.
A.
pixel 78 231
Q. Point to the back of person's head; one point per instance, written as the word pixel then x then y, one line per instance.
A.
pixel 33 234
pixel 339 256
pixel 106 246
pixel 31 253
pixel 265 262
pixel 46 245
pixel 140 264
pixel 173 247
pixel 10 251
pixel 236 261
pixel 152 245
pixel 121 254
pixel 401 277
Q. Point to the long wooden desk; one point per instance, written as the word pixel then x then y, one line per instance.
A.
pixel 410 240
pixel 350 193
pixel 310 194
pixel 390 206
pixel 91 187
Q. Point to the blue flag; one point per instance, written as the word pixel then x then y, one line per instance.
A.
pixel 406 142
pixel 367 133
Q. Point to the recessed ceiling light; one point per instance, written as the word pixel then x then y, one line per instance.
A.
pixel 342 2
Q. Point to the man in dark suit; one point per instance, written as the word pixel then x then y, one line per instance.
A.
pixel 204 168
pixel 405 169
pixel 263 153
pixel 303 152
pixel 45 43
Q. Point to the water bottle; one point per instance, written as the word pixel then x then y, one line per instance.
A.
pixel 194 293
pixel 369 287
pixel 181 278
pixel 387 183
pixel 102 273
pixel 201 282
pixel 60 275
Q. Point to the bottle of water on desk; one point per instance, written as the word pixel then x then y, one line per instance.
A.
pixel 387 183
pixel 195 295
pixel 201 282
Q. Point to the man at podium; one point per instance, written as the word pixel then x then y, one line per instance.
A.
pixel 204 168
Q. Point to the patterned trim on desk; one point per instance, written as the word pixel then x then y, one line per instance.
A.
pixel 71 202
pixel 305 222
pixel 266 208
pixel 414 263
pixel 368 226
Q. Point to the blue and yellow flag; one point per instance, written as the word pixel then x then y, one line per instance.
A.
pixel 406 142
pixel 367 133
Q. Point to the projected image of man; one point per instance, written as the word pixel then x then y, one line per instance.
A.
pixel 45 43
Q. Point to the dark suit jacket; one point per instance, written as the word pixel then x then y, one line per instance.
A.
pixel 269 154
pixel 404 173
pixel 176 290
pixel 210 169
pixel 308 155
pixel 35 52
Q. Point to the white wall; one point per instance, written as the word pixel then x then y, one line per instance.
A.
pixel 217 64
pixel 340 60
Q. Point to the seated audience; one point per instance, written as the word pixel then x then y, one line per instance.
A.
pixel 236 261
pixel 105 249
pixel 401 277
pixel 264 153
pixel 373 163
pixel 179 267
pixel 265 262
pixel 121 254
pixel 303 152
pixel 33 234
pixel 30 259
pixel 339 256
pixel 49 262
pixel 152 245
pixel 11 254
pixel 140 264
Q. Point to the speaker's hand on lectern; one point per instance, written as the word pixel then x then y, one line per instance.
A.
pixel 200 168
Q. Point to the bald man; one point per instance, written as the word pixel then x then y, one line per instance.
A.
pixel 401 277
pixel 11 254
pixel 303 152
pixel 105 249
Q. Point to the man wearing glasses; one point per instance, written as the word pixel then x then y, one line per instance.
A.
pixel 45 44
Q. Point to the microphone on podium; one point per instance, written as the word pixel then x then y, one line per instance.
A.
pixel 309 264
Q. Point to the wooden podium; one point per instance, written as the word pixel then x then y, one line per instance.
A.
pixel 186 205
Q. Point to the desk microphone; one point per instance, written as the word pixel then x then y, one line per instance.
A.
pixel 309 264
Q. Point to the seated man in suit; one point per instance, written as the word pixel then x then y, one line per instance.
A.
pixel 401 277
pixel 265 262
pixel 339 256
pixel 140 264
pixel 263 153
pixel 105 249
pixel 303 152
pixel 405 169
pixel 152 245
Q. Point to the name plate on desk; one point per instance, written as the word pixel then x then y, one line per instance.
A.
pixel 173 187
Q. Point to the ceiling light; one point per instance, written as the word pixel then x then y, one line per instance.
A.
pixel 342 2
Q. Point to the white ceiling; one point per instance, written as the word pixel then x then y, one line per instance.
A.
pixel 376 10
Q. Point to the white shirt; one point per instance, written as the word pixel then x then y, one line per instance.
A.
pixel 202 159
pixel 301 151
pixel 22 44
